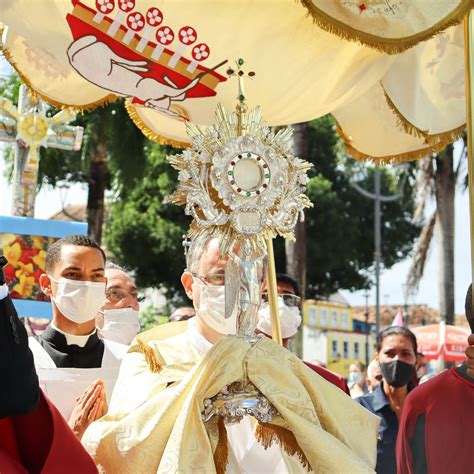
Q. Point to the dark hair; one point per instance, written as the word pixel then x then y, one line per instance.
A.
pixel 397 331
pixel 284 278
pixel 54 252
pixel 468 304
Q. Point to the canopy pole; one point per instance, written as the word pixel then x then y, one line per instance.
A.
pixel 469 75
pixel 272 289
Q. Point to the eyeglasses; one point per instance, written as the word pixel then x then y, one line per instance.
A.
pixel 217 279
pixel 288 298
pixel 115 295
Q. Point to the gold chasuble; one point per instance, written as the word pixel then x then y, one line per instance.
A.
pixel 154 423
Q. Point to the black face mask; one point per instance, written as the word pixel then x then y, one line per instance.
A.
pixel 397 373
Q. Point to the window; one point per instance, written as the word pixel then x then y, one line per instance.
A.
pixel 323 315
pixel 356 351
pixel 312 316
pixel 345 320
pixel 334 352
pixel 345 349
pixel 334 319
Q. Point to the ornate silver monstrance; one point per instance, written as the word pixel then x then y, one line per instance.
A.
pixel 241 183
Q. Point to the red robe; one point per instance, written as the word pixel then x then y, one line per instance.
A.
pixel 446 403
pixel 335 379
pixel 41 442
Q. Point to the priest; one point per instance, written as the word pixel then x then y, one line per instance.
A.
pixel 154 423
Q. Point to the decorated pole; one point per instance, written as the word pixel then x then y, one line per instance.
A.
pixel 469 60
pixel 29 128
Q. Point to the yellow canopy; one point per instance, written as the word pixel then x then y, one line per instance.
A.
pixel 389 107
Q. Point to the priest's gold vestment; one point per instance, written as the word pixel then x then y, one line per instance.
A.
pixel 154 420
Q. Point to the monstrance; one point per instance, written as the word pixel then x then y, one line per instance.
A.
pixel 241 182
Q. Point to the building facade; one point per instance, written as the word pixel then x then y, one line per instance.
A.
pixel 332 336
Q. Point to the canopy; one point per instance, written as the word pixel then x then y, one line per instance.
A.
pixel 441 340
pixel 298 63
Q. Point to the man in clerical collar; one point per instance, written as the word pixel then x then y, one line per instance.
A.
pixel 75 282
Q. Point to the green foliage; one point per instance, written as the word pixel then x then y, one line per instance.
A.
pixel 146 234
pixel 340 227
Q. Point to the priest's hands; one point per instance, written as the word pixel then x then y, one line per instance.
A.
pixel 470 356
pixel 90 406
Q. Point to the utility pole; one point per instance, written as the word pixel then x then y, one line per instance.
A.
pixel 378 198
pixel 367 330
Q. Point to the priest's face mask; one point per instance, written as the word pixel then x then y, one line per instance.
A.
pixel 76 283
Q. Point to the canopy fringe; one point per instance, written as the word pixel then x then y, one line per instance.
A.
pixel 379 43
pixel 433 139
pixel 59 105
pixel 148 132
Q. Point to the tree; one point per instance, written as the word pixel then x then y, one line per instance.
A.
pixel 339 229
pixel 111 155
pixel 146 234
pixel 437 180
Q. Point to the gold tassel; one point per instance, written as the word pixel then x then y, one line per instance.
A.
pixel 221 454
pixel 384 45
pixel 267 434
pixel 148 132
pixel 150 358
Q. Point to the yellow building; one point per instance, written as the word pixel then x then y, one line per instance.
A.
pixel 333 337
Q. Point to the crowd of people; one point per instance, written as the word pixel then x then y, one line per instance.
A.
pixel 92 364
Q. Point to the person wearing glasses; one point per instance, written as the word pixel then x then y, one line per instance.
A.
pixel 130 438
pixel 118 319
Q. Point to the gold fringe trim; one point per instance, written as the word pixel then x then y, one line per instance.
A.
pixel 59 105
pixel 221 454
pixel 445 139
pixel 384 45
pixel 148 132
pixel 267 434
pixel 150 358
pixel 431 139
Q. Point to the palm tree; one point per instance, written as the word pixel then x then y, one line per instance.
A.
pixel 437 180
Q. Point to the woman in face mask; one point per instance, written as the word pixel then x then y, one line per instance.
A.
pixel 396 354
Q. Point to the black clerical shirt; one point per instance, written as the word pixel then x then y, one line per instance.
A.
pixel 64 355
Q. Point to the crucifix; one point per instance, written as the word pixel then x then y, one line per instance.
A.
pixel 29 127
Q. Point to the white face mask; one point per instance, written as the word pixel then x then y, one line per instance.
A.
pixel 212 309
pixel 79 301
pixel 120 325
pixel 290 319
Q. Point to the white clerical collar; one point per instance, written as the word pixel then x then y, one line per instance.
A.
pixel 197 340
pixel 3 291
pixel 71 339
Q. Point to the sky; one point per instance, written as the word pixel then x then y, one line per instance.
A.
pixel 49 201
